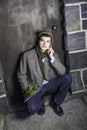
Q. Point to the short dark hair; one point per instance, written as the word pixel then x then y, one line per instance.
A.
pixel 46 34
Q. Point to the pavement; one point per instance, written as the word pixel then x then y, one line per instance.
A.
pixel 74 118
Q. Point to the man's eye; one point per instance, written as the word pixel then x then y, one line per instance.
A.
pixel 48 41
pixel 41 40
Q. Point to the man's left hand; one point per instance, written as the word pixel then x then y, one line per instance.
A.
pixel 51 53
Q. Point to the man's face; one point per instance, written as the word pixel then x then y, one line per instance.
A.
pixel 44 43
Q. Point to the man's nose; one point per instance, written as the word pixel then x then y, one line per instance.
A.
pixel 44 42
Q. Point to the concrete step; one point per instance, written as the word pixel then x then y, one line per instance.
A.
pixel 75 118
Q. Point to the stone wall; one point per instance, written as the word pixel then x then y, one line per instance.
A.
pixel 75 14
pixel 3 96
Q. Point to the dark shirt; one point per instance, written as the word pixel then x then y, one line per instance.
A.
pixel 41 56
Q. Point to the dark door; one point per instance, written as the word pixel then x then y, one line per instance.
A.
pixel 20 20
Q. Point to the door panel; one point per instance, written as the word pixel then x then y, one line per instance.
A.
pixel 20 20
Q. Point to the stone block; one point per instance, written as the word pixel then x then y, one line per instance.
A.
pixel 74 1
pixel 2 86
pixel 4 106
pixel 76 81
pixel 72 18
pixel 84 24
pixel 78 60
pixel 76 41
pixel 84 10
pixel 85 77
pixel 1 73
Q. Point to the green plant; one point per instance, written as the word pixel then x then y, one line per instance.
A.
pixel 31 90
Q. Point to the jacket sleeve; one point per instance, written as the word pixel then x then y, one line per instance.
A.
pixel 22 72
pixel 58 66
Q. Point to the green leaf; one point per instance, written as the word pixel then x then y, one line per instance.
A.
pixel 31 90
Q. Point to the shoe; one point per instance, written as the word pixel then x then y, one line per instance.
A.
pixel 57 108
pixel 41 111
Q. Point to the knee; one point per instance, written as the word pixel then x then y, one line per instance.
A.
pixel 31 109
pixel 43 90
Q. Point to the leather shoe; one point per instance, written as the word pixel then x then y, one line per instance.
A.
pixel 57 108
pixel 41 110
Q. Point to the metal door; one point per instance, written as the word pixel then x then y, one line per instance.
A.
pixel 20 20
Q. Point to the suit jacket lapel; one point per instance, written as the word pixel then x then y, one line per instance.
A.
pixel 35 64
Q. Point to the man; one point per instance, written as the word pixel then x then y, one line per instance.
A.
pixel 40 74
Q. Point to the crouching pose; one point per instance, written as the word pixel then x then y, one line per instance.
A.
pixel 40 74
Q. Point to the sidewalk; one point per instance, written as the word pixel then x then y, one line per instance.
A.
pixel 75 118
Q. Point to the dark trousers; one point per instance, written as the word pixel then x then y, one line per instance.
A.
pixel 57 87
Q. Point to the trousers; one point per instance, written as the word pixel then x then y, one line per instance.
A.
pixel 57 87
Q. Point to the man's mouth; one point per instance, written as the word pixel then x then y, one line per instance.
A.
pixel 44 46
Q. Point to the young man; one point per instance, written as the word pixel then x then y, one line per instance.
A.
pixel 40 74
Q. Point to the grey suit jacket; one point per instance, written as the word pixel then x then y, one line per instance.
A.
pixel 29 70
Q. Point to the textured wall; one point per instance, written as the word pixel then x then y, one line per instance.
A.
pixel 20 20
pixel 3 96
pixel 75 13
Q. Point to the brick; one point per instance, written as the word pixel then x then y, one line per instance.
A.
pixel 84 24
pixel 78 60
pixel 76 81
pixel 76 41
pixel 85 77
pixel 84 10
pixel 72 18
pixel 4 106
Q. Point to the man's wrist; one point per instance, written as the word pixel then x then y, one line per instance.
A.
pixel 52 59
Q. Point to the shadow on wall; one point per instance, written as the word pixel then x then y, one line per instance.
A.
pixel 17 87
pixel 18 96
pixel 18 91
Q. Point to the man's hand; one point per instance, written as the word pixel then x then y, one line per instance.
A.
pixel 50 53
